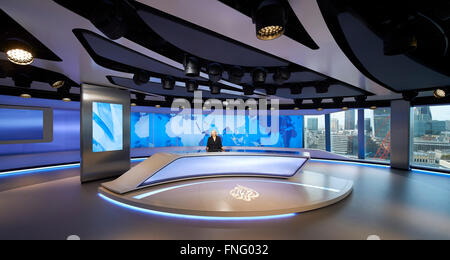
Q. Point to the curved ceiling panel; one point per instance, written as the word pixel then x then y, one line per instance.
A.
pixel 101 48
pixel 398 72
pixel 206 44
pixel 155 88
pixel 296 77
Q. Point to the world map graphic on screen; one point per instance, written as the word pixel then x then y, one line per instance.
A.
pixel 163 130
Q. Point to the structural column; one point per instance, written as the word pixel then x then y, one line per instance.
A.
pixel 400 134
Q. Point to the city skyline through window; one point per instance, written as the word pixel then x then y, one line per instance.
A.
pixel 344 133
pixel 431 137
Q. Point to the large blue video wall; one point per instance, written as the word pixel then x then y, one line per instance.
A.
pixel 162 130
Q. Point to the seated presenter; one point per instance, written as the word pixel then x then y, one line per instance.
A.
pixel 214 143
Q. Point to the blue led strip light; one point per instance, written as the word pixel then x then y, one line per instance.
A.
pixel 349 162
pixel 40 169
pixel 182 216
pixel 418 171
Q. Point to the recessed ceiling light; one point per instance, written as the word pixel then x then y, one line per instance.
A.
pixel 296 108
pixel 58 84
pixel 319 109
pixel 373 107
pixel 133 104
pixel 66 99
pixel 20 56
pixel 344 108
pixel 158 106
pixel 25 95
pixel 439 93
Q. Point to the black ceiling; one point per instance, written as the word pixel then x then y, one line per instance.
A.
pixel 10 29
pixel 363 28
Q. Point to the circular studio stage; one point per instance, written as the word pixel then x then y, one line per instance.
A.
pixel 225 185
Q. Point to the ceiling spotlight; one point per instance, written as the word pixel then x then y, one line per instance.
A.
pixel 271 90
pixel 248 90
pixel 63 92
pixel 191 86
pixel 133 104
pixel 22 80
pixel 281 74
pixel 157 106
pixel 20 56
pixel 296 108
pixel 24 95
pixel 439 93
pixel 360 99
pixel 338 100
pixel 373 107
pixel 235 74
pixel 191 66
pixel 109 18
pixel 214 88
pixel 345 108
pixel 214 72
pixel 296 90
pixel 270 19
pixel 298 102
pixel 66 99
pixel 409 95
pixel 319 109
pixel 322 87
pixel 141 77
pixel 58 84
pixel 317 101
pixel 168 83
pixel 259 75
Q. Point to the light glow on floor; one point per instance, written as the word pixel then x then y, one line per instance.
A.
pixel 39 169
pixel 193 217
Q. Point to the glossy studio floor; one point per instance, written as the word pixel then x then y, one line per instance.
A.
pixel 386 203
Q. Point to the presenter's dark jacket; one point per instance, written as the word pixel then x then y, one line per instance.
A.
pixel 214 146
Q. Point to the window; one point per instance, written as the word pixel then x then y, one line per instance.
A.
pixel 344 133
pixel 314 132
pixel 431 137
pixel 377 134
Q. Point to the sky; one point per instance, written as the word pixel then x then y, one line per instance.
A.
pixel 440 112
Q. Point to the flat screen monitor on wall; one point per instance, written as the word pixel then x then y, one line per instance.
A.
pixel 20 124
pixel 107 127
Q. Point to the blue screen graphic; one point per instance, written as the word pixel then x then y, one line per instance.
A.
pixel 193 130
pixel 107 127
pixel 21 124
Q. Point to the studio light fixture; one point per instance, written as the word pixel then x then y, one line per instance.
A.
pixel 214 72
pixel 20 56
pixel 319 109
pixel 110 19
pixel 281 75
pixel 373 107
pixel 63 93
pixel 133 104
pixel 439 93
pixel 235 74
pixel 25 95
pixel 259 75
pixel 191 86
pixel 271 90
pixel 214 88
pixel 22 80
pixel 66 99
pixel 270 19
pixel 58 84
pixel 338 100
pixel 141 77
pixel 360 100
pixel 345 108
pixel 296 90
pixel 317 101
pixel 322 87
pixel 248 90
pixel 157 106
pixel 191 66
pixel 168 83
pixel 296 108
pixel 298 102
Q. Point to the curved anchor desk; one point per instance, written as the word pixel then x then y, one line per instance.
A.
pixel 244 185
